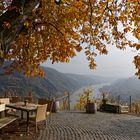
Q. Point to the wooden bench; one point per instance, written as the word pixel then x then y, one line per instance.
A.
pixel 112 108
pixel 5 120
pixel 124 109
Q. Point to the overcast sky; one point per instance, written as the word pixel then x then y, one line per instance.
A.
pixel 117 63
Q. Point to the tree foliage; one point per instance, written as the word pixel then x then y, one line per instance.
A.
pixel 33 31
pixel 84 98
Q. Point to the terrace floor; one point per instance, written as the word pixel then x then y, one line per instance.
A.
pixel 82 126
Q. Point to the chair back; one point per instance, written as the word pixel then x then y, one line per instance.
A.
pixel 29 98
pixel 50 105
pixel 15 99
pixel 5 100
pixel 41 113
pixel 2 107
pixel 42 101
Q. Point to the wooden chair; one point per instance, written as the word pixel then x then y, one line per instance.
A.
pixel 39 116
pixel 5 101
pixel 29 98
pixel 2 109
pixel 50 106
pixel 42 101
pixel 49 103
pixel 15 99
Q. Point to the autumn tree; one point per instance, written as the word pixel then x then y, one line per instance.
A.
pixel 33 31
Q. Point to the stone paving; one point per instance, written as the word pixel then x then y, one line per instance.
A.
pixel 82 126
pixel 99 126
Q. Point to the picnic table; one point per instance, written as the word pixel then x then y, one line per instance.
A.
pixel 30 107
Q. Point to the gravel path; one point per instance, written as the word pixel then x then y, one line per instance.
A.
pixel 99 126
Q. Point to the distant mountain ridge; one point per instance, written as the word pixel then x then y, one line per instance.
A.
pixel 124 88
pixel 54 83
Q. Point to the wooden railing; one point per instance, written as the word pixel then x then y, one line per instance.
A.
pixel 64 102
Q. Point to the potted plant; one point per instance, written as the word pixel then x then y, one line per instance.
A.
pixel 91 103
pixel 86 102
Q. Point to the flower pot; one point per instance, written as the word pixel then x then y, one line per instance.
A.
pixel 91 108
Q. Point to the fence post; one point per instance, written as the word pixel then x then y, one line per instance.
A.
pixel 130 101
pixel 118 99
pixel 68 100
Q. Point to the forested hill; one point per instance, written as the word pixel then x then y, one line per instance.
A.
pixel 125 88
pixel 54 83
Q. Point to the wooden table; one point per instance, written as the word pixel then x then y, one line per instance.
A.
pixel 30 107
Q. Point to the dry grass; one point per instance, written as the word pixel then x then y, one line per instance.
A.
pixel 135 107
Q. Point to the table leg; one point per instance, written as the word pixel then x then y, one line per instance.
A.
pixel 21 114
pixel 27 121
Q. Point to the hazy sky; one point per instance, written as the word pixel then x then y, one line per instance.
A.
pixel 117 63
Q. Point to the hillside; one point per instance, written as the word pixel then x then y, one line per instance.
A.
pixel 54 83
pixel 124 88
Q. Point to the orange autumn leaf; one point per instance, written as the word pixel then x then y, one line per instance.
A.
pixel 57 32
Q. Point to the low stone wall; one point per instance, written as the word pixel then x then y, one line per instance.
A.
pixel 111 108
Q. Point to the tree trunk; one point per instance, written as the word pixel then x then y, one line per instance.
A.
pixel 15 16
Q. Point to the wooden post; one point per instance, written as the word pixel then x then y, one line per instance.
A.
pixel 1 7
pixel 130 102
pixel 63 106
pixel 118 99
pixel 67 97
pixel 68 100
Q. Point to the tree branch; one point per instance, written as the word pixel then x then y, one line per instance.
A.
pixel 15 17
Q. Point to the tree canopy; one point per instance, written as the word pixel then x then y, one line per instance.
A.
pixel 33 31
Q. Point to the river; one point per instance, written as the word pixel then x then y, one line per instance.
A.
pixel 75 96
